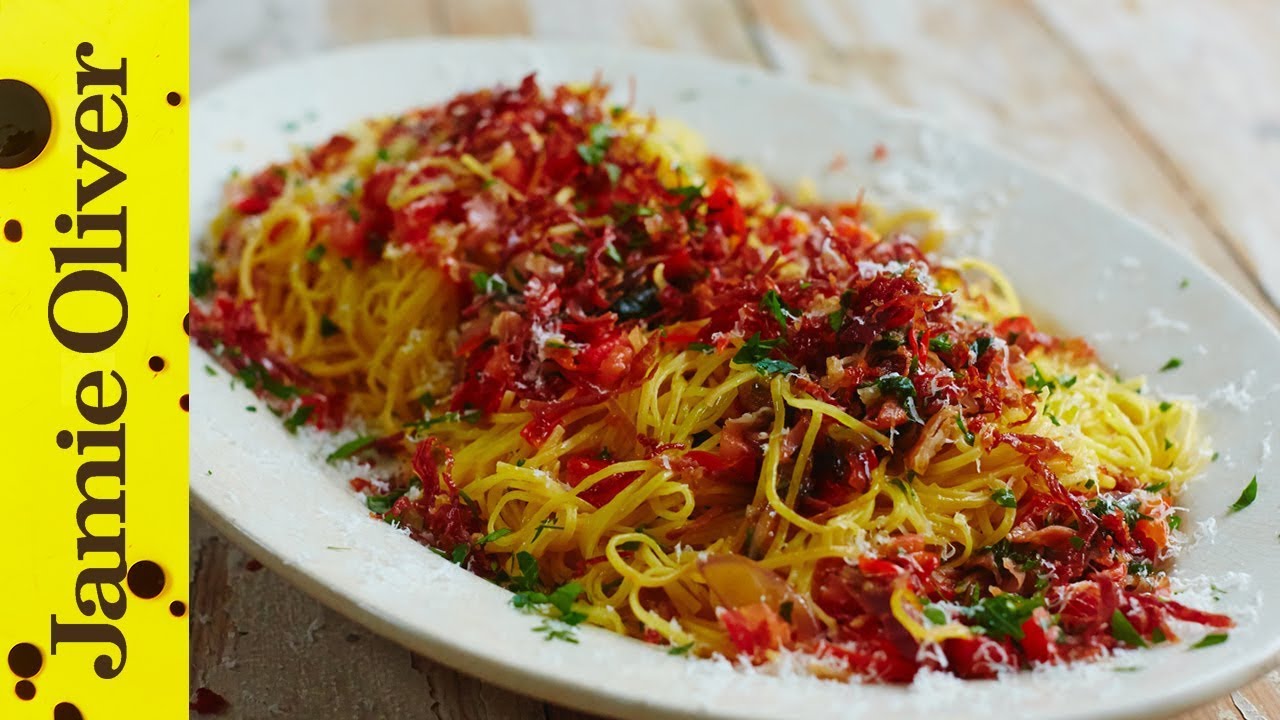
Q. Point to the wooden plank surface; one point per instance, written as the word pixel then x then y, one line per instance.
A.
pixel 1166 109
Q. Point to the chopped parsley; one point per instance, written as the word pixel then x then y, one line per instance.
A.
pixel 1036 381
pixel 315 253
pixel 328 328
pixel 577 252
pixel 495 535
pixel 1172 364
pixel 680 649
pixel 1247 497
pixel 772 302
pixel 1126 505
pixel 557 630
pixel 1002 616
pixel 905 390
pixel 1165 405
pixel 1123 630
pixel 690 194
pixel 941 343
pixel 895 384
pixel 201 279
pixel 836 318
pixel 980 346
pixel 1004 498
pixel 755 352
pixel 1175 522
pixel 489 284
pixel 702 347
pixel 299 417
pixel 612 253
pixel 964 431
pixel 599 137
pixel 935 615
pixel 351 447
pixel 383 154
pixel 528 578
pixel 255 376
pixel 625 212
pixel 560 626
pixel 770 366
pixel 1210 640
pixel 472 416
pixel 547 524
pixel 1076 541
pixel 381 504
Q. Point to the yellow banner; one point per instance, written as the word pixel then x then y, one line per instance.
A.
pixel 93 359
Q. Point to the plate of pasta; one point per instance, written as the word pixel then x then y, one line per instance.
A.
pixel 665 388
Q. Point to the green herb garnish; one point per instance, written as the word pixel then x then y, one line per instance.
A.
pixel 980 346
pixel 351 447
pixel 755 352
pixel 489 284
pixel 1123 630
pixel 964 431
pixel 381 504
pixel 557 630
pixel 1247 497
pixel 1002 616
pixel 201 279
pixel 772 302
pixel 1210 640
pixel 599 137
pixel 299 417
pixel 1004 498
pixel 689 194
pixel 495 535
pixel 941 343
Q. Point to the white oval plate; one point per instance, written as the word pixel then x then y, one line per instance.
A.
pixel 1086 269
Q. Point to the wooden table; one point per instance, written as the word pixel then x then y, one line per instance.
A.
pixel 1166 108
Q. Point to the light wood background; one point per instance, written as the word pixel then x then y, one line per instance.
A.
pixel 1169 109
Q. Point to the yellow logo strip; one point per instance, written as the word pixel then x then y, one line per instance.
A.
pixel 93 359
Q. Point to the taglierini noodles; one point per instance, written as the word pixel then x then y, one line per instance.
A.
pixel 633 383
